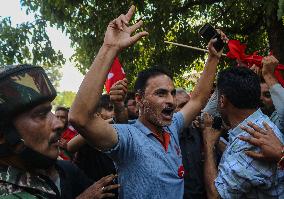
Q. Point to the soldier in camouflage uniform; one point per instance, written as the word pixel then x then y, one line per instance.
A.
pixel 29 135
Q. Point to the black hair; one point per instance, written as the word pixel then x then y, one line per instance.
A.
pixel 145 75
pixel 129 96
pixel 62 108
pixel 104 103
pixel 241 86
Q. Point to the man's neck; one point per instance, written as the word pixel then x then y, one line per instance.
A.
pixel 17 162
pixel 239 115
pixel 157 130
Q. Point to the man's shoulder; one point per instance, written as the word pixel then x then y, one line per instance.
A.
pixel 6 194
pixel 13 180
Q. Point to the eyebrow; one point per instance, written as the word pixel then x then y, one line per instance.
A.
pixel 163 90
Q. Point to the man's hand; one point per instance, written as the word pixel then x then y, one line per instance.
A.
pixel 118 34
pixel 269 64
pixel 210 135
pixel 118 92
pixel 100 189
pixel 117 96
pixel 63 143
pixel 211 49
pixel 266 140
pixel 256 69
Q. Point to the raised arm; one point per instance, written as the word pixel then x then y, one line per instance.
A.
pixel 98 132
pixel 276 90
pixel 75 143
pixel 203 88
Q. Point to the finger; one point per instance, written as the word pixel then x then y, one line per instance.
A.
pixel 108 180
pixel 250 140
pixel 257 129
pixel 124 19
pixel 269 130
pixel 117 98
pixel 138 36
pixel 103 179
pixel 135 26
pixel 250 131
pixel 111 187
pixel 124 82
pixel 130 13
pixel 118 24
pixel 254 154
pixel 120 88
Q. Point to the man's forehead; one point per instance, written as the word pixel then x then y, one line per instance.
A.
pixel 160 81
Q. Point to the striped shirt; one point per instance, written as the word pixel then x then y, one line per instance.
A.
pixel 240 176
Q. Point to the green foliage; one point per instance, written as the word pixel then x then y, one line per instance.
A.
pixel 64 98
pixel 29 43
pixel 280 11
pixel 85 22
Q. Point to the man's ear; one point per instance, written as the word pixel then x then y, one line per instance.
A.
pixel 222 101
pixel 138 98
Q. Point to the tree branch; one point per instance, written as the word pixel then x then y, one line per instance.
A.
pixel 193 3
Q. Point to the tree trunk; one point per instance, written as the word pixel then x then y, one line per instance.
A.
pixel 275 30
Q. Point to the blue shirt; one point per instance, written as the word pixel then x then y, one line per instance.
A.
pixel 145 169
pixel 240 176
pixel 277 95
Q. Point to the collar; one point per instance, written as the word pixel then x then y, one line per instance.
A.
pixel 138 124
pixel 166 134
pixel 235 132
pixel 23 179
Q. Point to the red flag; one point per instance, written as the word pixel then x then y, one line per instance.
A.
pixel 237 51
pixel 115 74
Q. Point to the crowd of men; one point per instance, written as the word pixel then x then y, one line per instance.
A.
pixel 153 142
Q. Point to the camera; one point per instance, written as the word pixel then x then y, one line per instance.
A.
pixel 208 32
pixel 217 122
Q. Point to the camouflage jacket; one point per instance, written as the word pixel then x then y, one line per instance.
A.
pixel 18 184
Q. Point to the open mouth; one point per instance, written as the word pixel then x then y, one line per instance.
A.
pixel 168 112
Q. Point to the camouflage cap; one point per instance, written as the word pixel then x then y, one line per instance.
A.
pixel 23 87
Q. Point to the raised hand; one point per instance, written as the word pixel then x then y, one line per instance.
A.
pixel 118 34
pixel 210 135
pixel 212 51
pixel 118 92
pixel 270 146
pixel 268 65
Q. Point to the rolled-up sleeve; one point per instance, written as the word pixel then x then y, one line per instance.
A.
pixel 122 150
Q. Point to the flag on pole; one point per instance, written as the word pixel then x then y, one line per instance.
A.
pixel 115 74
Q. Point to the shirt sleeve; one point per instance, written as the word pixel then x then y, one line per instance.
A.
pixel 277 95
pixel 211 106
pixel 178 121
pixel 123 149
pixel 238 173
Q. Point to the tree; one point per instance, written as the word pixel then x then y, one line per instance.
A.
pixel 29 43
pixel 64 98
pixel 252 21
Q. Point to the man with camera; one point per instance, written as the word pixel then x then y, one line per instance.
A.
pixel 238 175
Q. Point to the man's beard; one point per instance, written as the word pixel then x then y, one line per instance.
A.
pixel 267 110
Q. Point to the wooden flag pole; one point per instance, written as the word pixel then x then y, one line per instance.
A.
pixel 191 47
